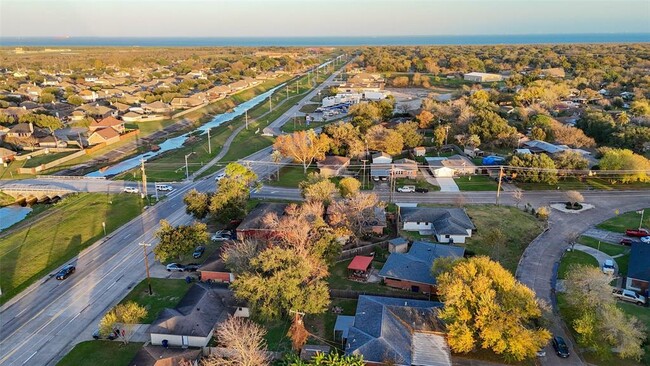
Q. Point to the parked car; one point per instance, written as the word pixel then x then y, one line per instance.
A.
pixel 131 190
pixel 422 190
pixel 97 335
pixel 192 267
pixel 626 241
pixel 406 189
pixel 561 349
pixel 198 252
pixel 645 239
pixel 175 267
pixel 65 272
pixel 608 267
pixel 163 187
pixel 219 176
pixel 629 296
pixel 637 232
pixel 541 353
pixel 376 179
pixel 222 235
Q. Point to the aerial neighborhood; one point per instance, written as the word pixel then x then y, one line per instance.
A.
pixel 366 205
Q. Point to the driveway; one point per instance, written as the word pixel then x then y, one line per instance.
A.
pixel 447 185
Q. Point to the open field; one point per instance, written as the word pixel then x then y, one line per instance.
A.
pixel 167 293
pixel 100 353
pixel 32 251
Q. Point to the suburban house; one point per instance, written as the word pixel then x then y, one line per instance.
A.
pixel 157 107
pixel 186 102
pixel 446 167
pixel 217 92
pixel 482 77
pixel 333 166
pixel 538 146
pixel 164 356
pixel 419 151
pixel 405 168
pixel 363 82
pixel 88 95
pixel 108 122
pixel 448 225
pixel 238 85
pixel 132 117
pixel 214 270
pixel 380 167
pixel 6 155
pixel 21 130
pixel 104 135
pixel 192 322
pixel 402 331
pixel 638 270
pixel 51 141
pixel 382 158
pixel 411 271
pixel 252 226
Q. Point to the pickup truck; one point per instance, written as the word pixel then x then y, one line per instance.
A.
pixel 628 295
pixel 406 189
pixel 637 232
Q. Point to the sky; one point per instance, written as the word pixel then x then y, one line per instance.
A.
pixel 309 18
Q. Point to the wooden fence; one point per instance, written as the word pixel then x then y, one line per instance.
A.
pixel 363 250
pixel 352 294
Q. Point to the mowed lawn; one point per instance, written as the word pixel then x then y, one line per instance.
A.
pixel 573 258
pixel 167 293
pixel 628 220
pixel 60 233
pixel 100 353
pixel 476 183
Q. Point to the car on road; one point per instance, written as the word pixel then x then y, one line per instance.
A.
pixel 637 232
pixel 131 190
pixel 422 190
pixel 98 335
pixel 192 267
pixel 222 235
pixel 561 349
pixel 629 296
pixel 645 239
pixel 626 241
pixel 198 252
pixel 219 176
pixel 163 187
pixel 608 267
pixel 65 272
pixel 406 189
pixel 175 267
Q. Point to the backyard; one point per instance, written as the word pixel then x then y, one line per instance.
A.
pixel 51 238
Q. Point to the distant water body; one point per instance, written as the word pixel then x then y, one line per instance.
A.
pixel 326 41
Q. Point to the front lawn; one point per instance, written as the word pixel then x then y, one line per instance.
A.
pixel 54 237
pixel 290 176
pixel 476 183
pixel 419 182
pixel 572 258
pixel 628 220
pixel 100 353
pixel 167 293
pixel 607 248
pixel 566 184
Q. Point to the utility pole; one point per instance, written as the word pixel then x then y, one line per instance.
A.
pixel 363 178
pixel 155 189
pixel 146 264
pixel 641 222
pixel 209 143
pixel 499 185
pixel 270 105
pixel 187 172
pixel 287 89
pixel 297 87
pixel 144 179
pixel 247 119
pixel 390 183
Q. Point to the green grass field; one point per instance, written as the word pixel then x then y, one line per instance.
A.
pixel 628 220
pixel 573 258
pixel 30 252
pixel 476 183
pixel 167 293
pixel 607 248
pixel 45 158
pixel 290 176
pixel 100 353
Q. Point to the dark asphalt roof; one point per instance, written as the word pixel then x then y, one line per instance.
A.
pixel 415 265
pixel 639 265
pixel 150 355
pixel 254 218
pixel 446 221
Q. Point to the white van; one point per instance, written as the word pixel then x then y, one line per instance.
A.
pixel 163 187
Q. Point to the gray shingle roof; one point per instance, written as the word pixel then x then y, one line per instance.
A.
pixel 416 265
pixel 386 328
pixel 446 221
pixel 639 266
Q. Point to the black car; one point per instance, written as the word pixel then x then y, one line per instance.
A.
pixel 198 252
pixel 192 267
pixel 65 272
pixel 422 190
pixel 561 349
pixel 98 335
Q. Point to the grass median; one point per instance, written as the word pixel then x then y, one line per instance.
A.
pixel 30 252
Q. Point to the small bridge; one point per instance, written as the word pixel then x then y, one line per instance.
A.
pixel 34 193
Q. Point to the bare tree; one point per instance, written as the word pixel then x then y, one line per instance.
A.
pixel 276 158
pixel 460 201
pixel 574 197
pixel 245 344
pixel 297 332
pixel 518 196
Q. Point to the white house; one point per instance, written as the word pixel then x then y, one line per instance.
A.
pixel 482 77
pixel 382 158
pixel 192 322
pixel 447 167
pixel 448 225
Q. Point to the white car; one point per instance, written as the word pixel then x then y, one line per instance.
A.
pixel 163 187
pixel 645 239
pixel 222 235
pixel 608 267
pixel 219 176
pixel 131 190
pixel 406 189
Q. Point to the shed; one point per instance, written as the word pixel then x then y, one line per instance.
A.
pixel 342 327
pixel 398 245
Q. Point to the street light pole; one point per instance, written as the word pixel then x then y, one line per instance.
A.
pixel 104 227
pixel 187 172
pixel 146 264
pixel 209 143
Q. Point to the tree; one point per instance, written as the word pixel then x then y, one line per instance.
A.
pixel 382 139
pixel 401 82
pixel 518 196
pixel 490 127
pixel 574 196
pixel 599 323
pixel 543 212
pixel 570 160
pixel 424 119
pixel 229 202
pixel 75 100
pixel 42 120
pixel 485 306
pixel 317 187
pixel 46 98
pixel 320 359
pixel 279 281
pixel 537 134
pixel 409 133
pixel 237 255
pixel 349 186
pixel 276 158
pixel 120 320
pixel 598 125
pixel 355 213
pixel 496 239
pixel 297 332
pixel 368 111
pixel 440 135
pixel 634 167
pixel 632 137
pixel 640 108
pixel 244 341
pixel 538 168
pixel 179 240
pixel 570 136
pixel 345 139
pixel 303 147
pixel 197 204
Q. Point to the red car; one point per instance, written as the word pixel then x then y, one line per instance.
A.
pixel 626 241
pixel 637 232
